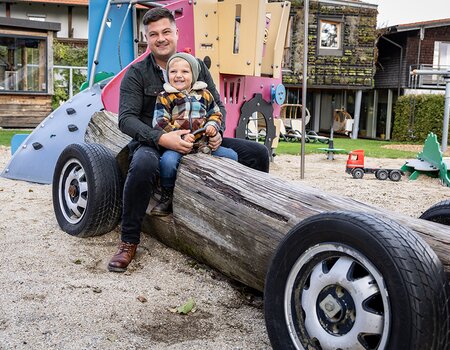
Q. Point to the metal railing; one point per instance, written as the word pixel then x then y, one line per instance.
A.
pixel 69 85
pixel 426 81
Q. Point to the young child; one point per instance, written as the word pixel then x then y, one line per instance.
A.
pixel 185 104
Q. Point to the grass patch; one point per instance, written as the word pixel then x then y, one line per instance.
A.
pixel 372 148
pixel 7 134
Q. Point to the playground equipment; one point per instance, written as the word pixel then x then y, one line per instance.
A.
pixel 355 167
pixel 241 41
pixel 429 162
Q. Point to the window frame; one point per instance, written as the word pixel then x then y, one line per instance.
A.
pixel 43 69
pixel 330 51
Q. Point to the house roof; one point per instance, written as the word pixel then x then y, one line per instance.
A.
pixel 62 2
pixel 418 25
pixel 75 2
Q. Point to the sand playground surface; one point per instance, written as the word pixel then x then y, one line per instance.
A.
pixel 57 293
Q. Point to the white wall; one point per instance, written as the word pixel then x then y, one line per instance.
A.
pixel 80 22
pixel 55 13
pixel 2 10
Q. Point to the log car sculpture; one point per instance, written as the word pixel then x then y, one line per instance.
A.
pixel 361 279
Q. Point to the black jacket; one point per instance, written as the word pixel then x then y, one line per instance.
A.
pixel 139 88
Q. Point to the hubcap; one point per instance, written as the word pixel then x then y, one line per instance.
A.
pixel 335 299
pixel 73 191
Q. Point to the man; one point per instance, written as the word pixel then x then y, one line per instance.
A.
pixel 138 91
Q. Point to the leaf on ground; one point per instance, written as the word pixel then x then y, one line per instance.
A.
pixel 77 261
pixel 186 307
pixel 142 299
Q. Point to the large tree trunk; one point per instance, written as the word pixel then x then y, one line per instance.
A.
pixel 232 217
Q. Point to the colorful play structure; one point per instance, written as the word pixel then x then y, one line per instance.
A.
pixel 429 162
pixel 240 41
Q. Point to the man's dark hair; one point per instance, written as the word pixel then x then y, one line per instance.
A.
pixel 157 13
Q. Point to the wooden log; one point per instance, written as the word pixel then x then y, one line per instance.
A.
pixel 233 218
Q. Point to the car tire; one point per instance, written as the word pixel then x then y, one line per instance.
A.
pixel 355 281
pixel 87 190
pixel 439 212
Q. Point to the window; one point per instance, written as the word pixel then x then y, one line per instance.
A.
pixel 441 59
pixel 330 37
pixel 286 63
pixel 23 64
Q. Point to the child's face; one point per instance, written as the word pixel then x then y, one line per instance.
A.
pixel 180 74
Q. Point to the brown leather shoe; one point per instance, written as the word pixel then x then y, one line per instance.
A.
pixel 120 261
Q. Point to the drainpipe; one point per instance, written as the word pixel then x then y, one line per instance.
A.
pixel 400 64
pixel 305 84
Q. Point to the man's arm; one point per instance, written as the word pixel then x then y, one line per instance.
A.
pixel 130 110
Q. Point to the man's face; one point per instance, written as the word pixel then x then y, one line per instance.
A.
pixel 180 74
pixel 162 37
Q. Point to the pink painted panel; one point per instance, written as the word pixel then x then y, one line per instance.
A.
pixel 236 90
pixel 185 24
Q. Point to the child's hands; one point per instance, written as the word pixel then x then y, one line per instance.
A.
pixel 210 131
pixel 189 138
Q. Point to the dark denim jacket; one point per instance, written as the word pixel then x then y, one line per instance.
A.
pixel 139 88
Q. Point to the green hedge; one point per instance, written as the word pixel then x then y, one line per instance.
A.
pixel 418 115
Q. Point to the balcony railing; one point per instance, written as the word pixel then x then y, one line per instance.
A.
pixel 426 81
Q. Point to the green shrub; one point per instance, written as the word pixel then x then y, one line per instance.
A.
pixel 67 55
pixel 416 116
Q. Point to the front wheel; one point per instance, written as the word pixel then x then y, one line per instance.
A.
pixel 86 190
pixel 355 281
pixel 357 173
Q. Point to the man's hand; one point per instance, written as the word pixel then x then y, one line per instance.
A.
pixel 172 140
pixel 215 141
pixel 210 131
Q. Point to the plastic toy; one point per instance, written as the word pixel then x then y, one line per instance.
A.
pixel 355 167
pixel 429 162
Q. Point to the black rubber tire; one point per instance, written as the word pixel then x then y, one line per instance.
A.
pixel 395 175
pixel 382 174
pixel 358 173
pixel 87 190
pixel 439 212
pixel 415 312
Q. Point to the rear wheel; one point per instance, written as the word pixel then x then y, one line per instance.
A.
pixel 86 190
pixel 440 213
pixel 382 174
pixel 355 281
pixel 395 175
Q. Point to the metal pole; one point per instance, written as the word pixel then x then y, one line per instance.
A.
pixel 304 87
pixel 446 75
pixel 70 82
pixel 99 43
pixel 446 114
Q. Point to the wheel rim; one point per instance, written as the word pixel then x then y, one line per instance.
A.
pixel 382 175
pixel 335 298
pixel 73 191
pixel 395 176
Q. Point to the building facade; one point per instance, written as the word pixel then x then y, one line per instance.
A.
pixel 403 48
pixel 341 62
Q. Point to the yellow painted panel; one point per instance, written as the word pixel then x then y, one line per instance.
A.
pixel 247 59
pixel 277 13
pixel 206 29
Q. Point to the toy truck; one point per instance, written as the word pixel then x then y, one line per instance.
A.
pixel 355 167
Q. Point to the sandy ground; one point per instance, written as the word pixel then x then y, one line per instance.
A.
pixel 57 294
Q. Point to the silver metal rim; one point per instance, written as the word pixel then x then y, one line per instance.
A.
pixel 73 191
pixel 321 316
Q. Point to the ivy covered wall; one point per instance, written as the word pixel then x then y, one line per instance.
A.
pixel 354 67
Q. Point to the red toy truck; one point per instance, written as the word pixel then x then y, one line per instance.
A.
pixel 355 167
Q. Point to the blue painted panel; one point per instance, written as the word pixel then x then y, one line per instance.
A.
pixel 35 159
pixel 108 59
